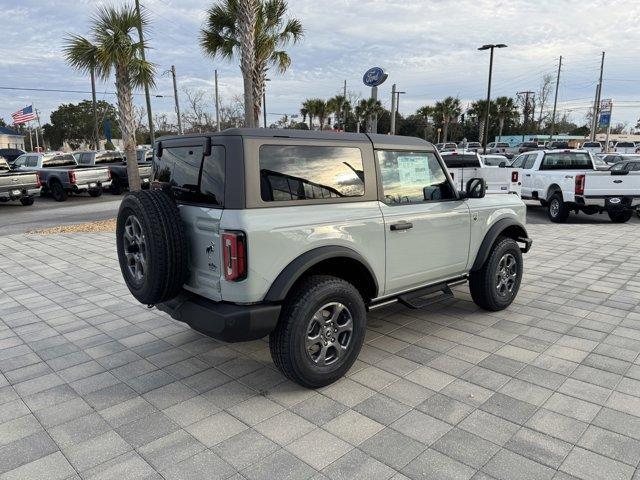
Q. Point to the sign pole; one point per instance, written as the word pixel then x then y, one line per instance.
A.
pixel 609 127
pixel 392 130
pixel 373 127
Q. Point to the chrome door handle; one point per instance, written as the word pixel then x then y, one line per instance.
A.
pixel 401 226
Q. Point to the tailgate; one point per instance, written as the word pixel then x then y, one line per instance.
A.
pixel 205 254
pixel 606 185
pixel 18 181
pixel 91 175
pixel 145 171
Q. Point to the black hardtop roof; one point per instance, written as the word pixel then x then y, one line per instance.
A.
pixel 378 140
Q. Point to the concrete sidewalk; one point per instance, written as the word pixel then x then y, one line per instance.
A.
pixel 96 386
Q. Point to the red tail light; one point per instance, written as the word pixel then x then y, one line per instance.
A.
pixel 514 177
pixel 234 256
pixel 72 177
pixel 38 181
pixel 579 185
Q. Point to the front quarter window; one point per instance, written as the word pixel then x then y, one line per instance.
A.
pixel 412 177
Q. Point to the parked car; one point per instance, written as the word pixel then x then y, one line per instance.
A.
pixel 629 164
pixel 470 146
pixel 10 154
pixel 296 234
pixel 497 147
pixel 463 165
pixel 528 147
pixel 613 158
pixel 116 163
pixel 17 186
pixel 446 147
pixel 592 147
pixel 60 174
pixel 495 160
pixel 566 180
pixel 599 163
pixel 557 145
pixel 625 147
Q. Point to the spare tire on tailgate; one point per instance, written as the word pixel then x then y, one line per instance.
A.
pixel 152 246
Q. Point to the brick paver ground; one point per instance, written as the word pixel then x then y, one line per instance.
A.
pixel 96 386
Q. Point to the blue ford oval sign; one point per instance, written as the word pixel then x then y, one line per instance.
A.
pixel 374 76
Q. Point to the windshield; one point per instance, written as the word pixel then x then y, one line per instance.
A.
pixel 54 161
pixel 625 144
pixel 591 145
pixel 566 161
pixel 530 144
pixel 457 160
pixel 495 161
pixel 502 145
pixel 109 157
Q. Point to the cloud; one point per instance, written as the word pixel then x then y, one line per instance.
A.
pixel 429 49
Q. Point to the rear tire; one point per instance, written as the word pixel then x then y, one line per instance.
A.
pixel 495 285
pixel 95 193
pixel 27 201
pixel 152 246
pixel 620 217
pixel 557 209
pixel 116 187
pixel 58 192
pixel 320 331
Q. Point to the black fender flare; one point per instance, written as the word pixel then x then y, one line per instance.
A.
pixel 292 272
pixel 517 232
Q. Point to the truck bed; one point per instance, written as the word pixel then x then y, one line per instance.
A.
pixel 13 182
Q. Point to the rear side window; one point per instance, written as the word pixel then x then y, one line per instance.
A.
pixel 625 144
pixel 566 161
pixel 109 157
pixel 56 161
pixel 301 172
pixel 529 161
pixel 461 161
pixel 193 178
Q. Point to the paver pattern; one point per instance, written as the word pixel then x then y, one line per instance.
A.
pixel 96 386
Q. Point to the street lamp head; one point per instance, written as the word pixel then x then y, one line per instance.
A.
pixel 501 45
pixel 487 47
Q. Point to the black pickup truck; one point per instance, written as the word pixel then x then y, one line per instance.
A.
pixel 20 186
pixel 60 174
pixel 117 165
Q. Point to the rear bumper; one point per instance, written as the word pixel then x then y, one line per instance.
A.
pixel 16 193
pixel 91 185
pixel 621 202
pixel 223 321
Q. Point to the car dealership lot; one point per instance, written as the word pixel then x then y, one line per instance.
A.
pixel 96 385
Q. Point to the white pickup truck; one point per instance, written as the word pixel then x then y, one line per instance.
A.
pixel 463 165
pixel 566 180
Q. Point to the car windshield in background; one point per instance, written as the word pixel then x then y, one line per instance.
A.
pixel 566 161
pixel 58 161
pixel 457 160
pixel 495 161
pixel 530 144
pixel 591 145
pixel 145 156
pixel 109 157
pixel 634 158
pixel 625 144
pixel 502 145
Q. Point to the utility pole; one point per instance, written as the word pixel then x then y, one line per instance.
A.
pixel 175 97
pixel 146 87
pixel 215 76
pixel 525 109
pixel 344 107
pixel 596 103
pixel 555 101
pixel 39 127
pixel 392 130
pixel 96 134
pixel 490 47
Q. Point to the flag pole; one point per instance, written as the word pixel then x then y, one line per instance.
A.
pixel 30 138
pixel 39 126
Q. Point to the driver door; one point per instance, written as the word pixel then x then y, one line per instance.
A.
pixel 427 227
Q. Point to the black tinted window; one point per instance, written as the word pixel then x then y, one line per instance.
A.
pixel 412 177
pixel 292 172
pixel 191 179
pixel 109 157
pixel 461 161
pixel 566 161
pixel 56 161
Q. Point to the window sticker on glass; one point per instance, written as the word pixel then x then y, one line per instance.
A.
pixel 413 169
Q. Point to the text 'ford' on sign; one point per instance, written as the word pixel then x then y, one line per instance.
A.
pixel 374 76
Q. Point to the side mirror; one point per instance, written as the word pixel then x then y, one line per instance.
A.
pixel 476 188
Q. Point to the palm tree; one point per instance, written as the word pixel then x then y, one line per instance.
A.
pixel 320 109
pixel 506 111
pixel 304 112
pixel 367 109
pixel 221 37
pixel 446 111
pixel 309 107
pixel 478 109
pixel 247 19
pixel 426 112
pixel 114 47
pixel 339 105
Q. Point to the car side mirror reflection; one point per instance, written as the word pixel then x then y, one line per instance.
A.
pixel 476 188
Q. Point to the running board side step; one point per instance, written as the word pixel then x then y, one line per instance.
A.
pixel 426 296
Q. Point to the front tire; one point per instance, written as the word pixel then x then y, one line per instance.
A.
pixel 495 285
pixel 557 209
pixel 620 217
pixel 320 331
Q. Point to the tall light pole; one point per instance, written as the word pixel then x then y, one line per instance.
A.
pixel 555 100
pixel 146 87
pixel 175 97
pixel 264 102
pixel 395 105
pixel 486 118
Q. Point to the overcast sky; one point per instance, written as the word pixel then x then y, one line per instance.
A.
pixel 429 49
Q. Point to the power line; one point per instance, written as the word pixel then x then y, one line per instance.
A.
pixel 157 95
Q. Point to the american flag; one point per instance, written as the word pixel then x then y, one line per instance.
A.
pixel 23 116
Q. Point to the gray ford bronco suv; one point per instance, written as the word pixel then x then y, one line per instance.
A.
pixel 297 234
